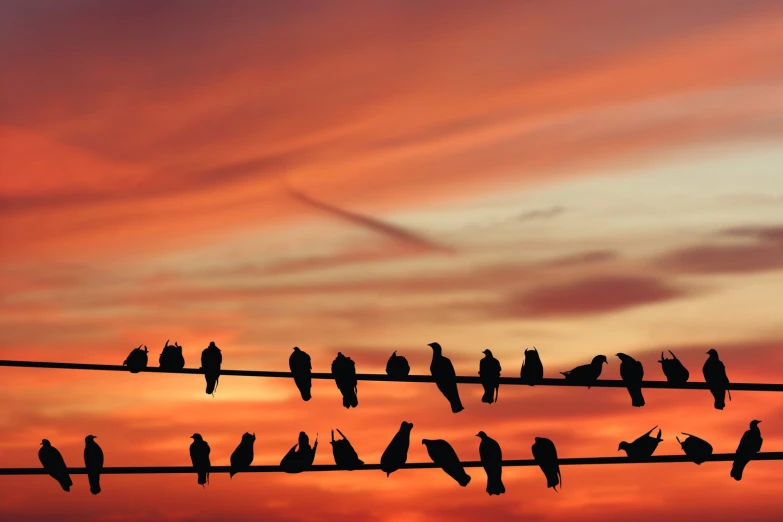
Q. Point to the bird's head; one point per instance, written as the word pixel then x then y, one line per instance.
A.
pixel 481 435
pixel 487 352
pixel 712 352
pixel 425 441
pixel 89 438
pixel 45 443
pixel 435 347
pixel 304 440
pixel 406 425
pixel 623 445
pixel 754 423
pixel 623 357
pixel 600 359
pixel 296 349
pixel 196 436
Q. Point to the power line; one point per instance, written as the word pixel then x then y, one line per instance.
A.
pixel 463 379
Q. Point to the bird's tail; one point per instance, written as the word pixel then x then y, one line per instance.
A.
pixel 203 477
pixel 497 390
pixel 729 392
pixel 95 483
pixel 464 480
pixel 456 406
pixel 737 468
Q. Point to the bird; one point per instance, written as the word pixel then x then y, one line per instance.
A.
pixel 694 447
pixel 446 458
pixel 396 453
pixel 171 357
pixel 545 455
pixel 243 455
pixel 344 455
pixel 642 447
pixel 674 370
pixel 492 461
pixel 397 366
pixel 631 372
pixel 136 360
pixel 749 445
pixel 445 377
pixel 211 359
pixel 301 369
pixel 532 370
pixel 199 456
pixel 344 372
pixel 586 374
pixel 715 376
pixel 489 372
pixel 93 462
pixel 301 456
pixel 54 464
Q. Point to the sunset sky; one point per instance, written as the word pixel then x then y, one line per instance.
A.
pixel 584 176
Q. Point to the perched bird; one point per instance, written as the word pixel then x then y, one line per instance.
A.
pixel 397 366
pixel 243 455
pixel 396 453
pixel 489 372
pixel 54 464
pixel 301 368
pixel 344 455
pixel 749 445
pixel 586 374
pixel 642 447
pixel 674 370
pixel 631 372
pixel 199 456
pixel 300 456
pixel 694 447
pixel 545 455
pixel 492 461
pixel 444 456
pixel 171 357
pixel 445 377
pixel 344 372
pixel 93 462
pixel 532 370
pixel 715 376
pixel 211 359
pixel 136 360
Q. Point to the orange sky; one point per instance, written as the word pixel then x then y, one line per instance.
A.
pixel 585 177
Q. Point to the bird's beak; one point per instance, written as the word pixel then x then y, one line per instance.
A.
pixel 477 435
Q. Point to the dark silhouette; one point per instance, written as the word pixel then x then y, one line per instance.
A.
pixel 444 456
pixel 301 456
pixel 301 368
pixel 697 449
pixel 344 372
pixel 674 370
pixel 396 453
pixel 489 371
pixel 749 445
pixel 545 455
pixel 211 359
pixel 136 360
pixel 397 366
pixel 632 373
pixel 586 374
pixel 642 447
pixel 344 455
pixel 199 456
pixel 532 370
pixel 445 377
pixel 171 357
pixel 243 455
pixel 715 376
pixel 492 461
pixel 93 462
pixel 54 464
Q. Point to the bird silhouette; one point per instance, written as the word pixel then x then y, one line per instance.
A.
pixel 694 447
pixel 674 370
pixel 446 458
pixel 396 453
pixel 93 462
pixel 243 455
pixel 445 377
pixel 715 376
pixel 199 456
pixel 344 372
pixel 749 445
pixel 489 373
pixel 631 372
pixel 642 447
pixel 545 455
pixel 397 366
pixel 301 368
pixel 211 359
pixel 532 370
pixel 586 374
pixel 54 464
pixel 301 456
pixel 136 360
pixel 171 358
pixel 344 455
pixel 492 461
